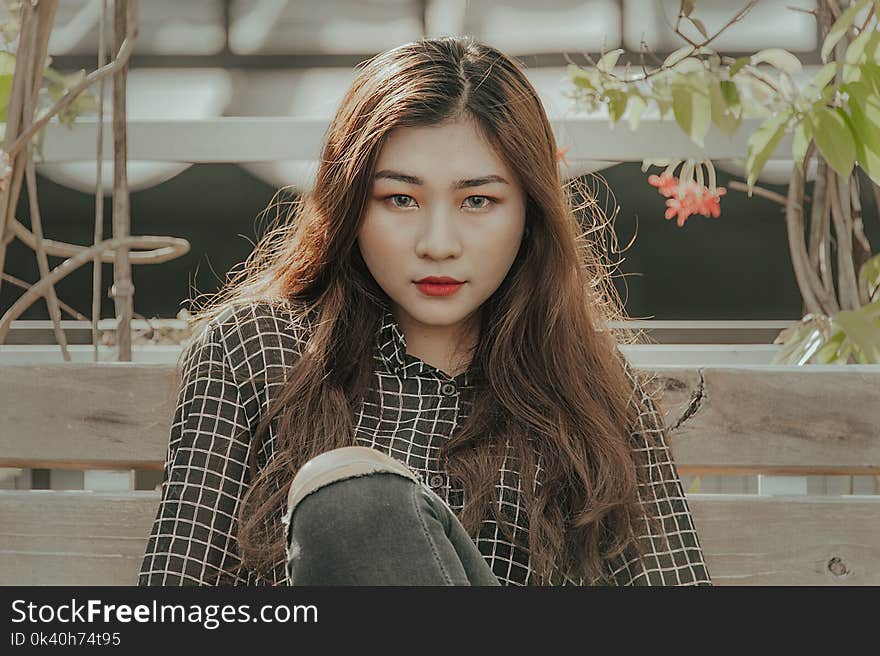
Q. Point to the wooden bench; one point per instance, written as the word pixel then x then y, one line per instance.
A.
pixel 743 420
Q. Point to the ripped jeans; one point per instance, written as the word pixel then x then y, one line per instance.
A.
pixel 356 516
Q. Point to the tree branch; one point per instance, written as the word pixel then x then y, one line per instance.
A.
pixel 121 59
pixel 840 215
pixel 795 229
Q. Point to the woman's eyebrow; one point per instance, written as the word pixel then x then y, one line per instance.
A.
pixel 458 184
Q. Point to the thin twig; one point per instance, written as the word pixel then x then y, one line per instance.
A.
pixel 119 62
pixel 797 246
pixel 99 191
pixel 861 246
pixel 9 194
pixel 867 19
pixel 162 249
pixel 123 289
pixel 67 267
pixel 43 261
pixel 825 269
pixel 820 226
pixel 835 9
pixel 761 191
pixel 795 229
pixel 840 215
pixel 31 83
pixel 64 306
pixel 819 189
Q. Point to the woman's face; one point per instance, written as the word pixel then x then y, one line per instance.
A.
pixel 442 204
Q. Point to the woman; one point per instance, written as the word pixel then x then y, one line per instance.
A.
pixel 423 344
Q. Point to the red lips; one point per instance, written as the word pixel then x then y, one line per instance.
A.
pixel 441 280
pixel 439 285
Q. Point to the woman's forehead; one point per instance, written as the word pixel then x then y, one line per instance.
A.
pixel 445 153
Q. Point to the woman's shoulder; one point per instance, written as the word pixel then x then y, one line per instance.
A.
pixel 257 334
pixel 249 318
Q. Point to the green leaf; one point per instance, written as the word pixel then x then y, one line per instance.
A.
pixel 869 275
pixel 585 79
pixel 800 142
pixel 609 60
pixel 637 106
pixel 841 25
pixel 5 90
pixel 871 311
pixel 692 108
pixel 864 49
pixel 7 69
pixel 872 47
pixel 699 25
pixel 779 58
pixel 870 74
pixel 689 65
pixel 856 49
pixel 820 80
pixel 617 101
pixel 731 93
pixel 726 120
pixel 864 122
pixel 863 335
pixel 763 142
pixel 737 65
pixel 830 352
pixel 663 105
pixel 677 56
pixel 833 138
pixel 7 63
pixel 802 345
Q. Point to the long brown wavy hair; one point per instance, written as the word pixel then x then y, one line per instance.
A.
pixel 547 369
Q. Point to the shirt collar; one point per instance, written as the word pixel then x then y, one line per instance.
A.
pixel 391 343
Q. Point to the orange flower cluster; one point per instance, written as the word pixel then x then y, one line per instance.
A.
pixel 560 154
pixel 697 199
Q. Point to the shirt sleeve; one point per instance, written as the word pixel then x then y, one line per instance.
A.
pixel 192 541
pixel 675 556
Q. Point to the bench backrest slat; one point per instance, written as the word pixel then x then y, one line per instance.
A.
pixel 82 538
pixel 739 420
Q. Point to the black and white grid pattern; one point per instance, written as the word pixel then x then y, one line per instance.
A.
pixel 411 408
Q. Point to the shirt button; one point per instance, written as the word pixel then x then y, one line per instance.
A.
pixel 448 389
pixel 436 481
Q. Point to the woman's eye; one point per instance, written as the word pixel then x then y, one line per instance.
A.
pixel 402 201
pixel 485 201
pixel 394 198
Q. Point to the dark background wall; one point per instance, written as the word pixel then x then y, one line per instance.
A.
pixel 733 267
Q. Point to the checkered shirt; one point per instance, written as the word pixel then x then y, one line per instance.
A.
pixel 410 409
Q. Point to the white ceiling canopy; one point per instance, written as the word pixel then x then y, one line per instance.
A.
pixel 767 25
pixel 150 94
pixel 521 27
pixel 165 27
pixel 320 28
pixel 313 92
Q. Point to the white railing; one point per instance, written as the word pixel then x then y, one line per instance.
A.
pixel 235 139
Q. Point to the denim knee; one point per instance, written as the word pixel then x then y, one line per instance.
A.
pixel 339 518
pixel 338 465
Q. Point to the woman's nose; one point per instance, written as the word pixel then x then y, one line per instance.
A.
pixel 439 238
